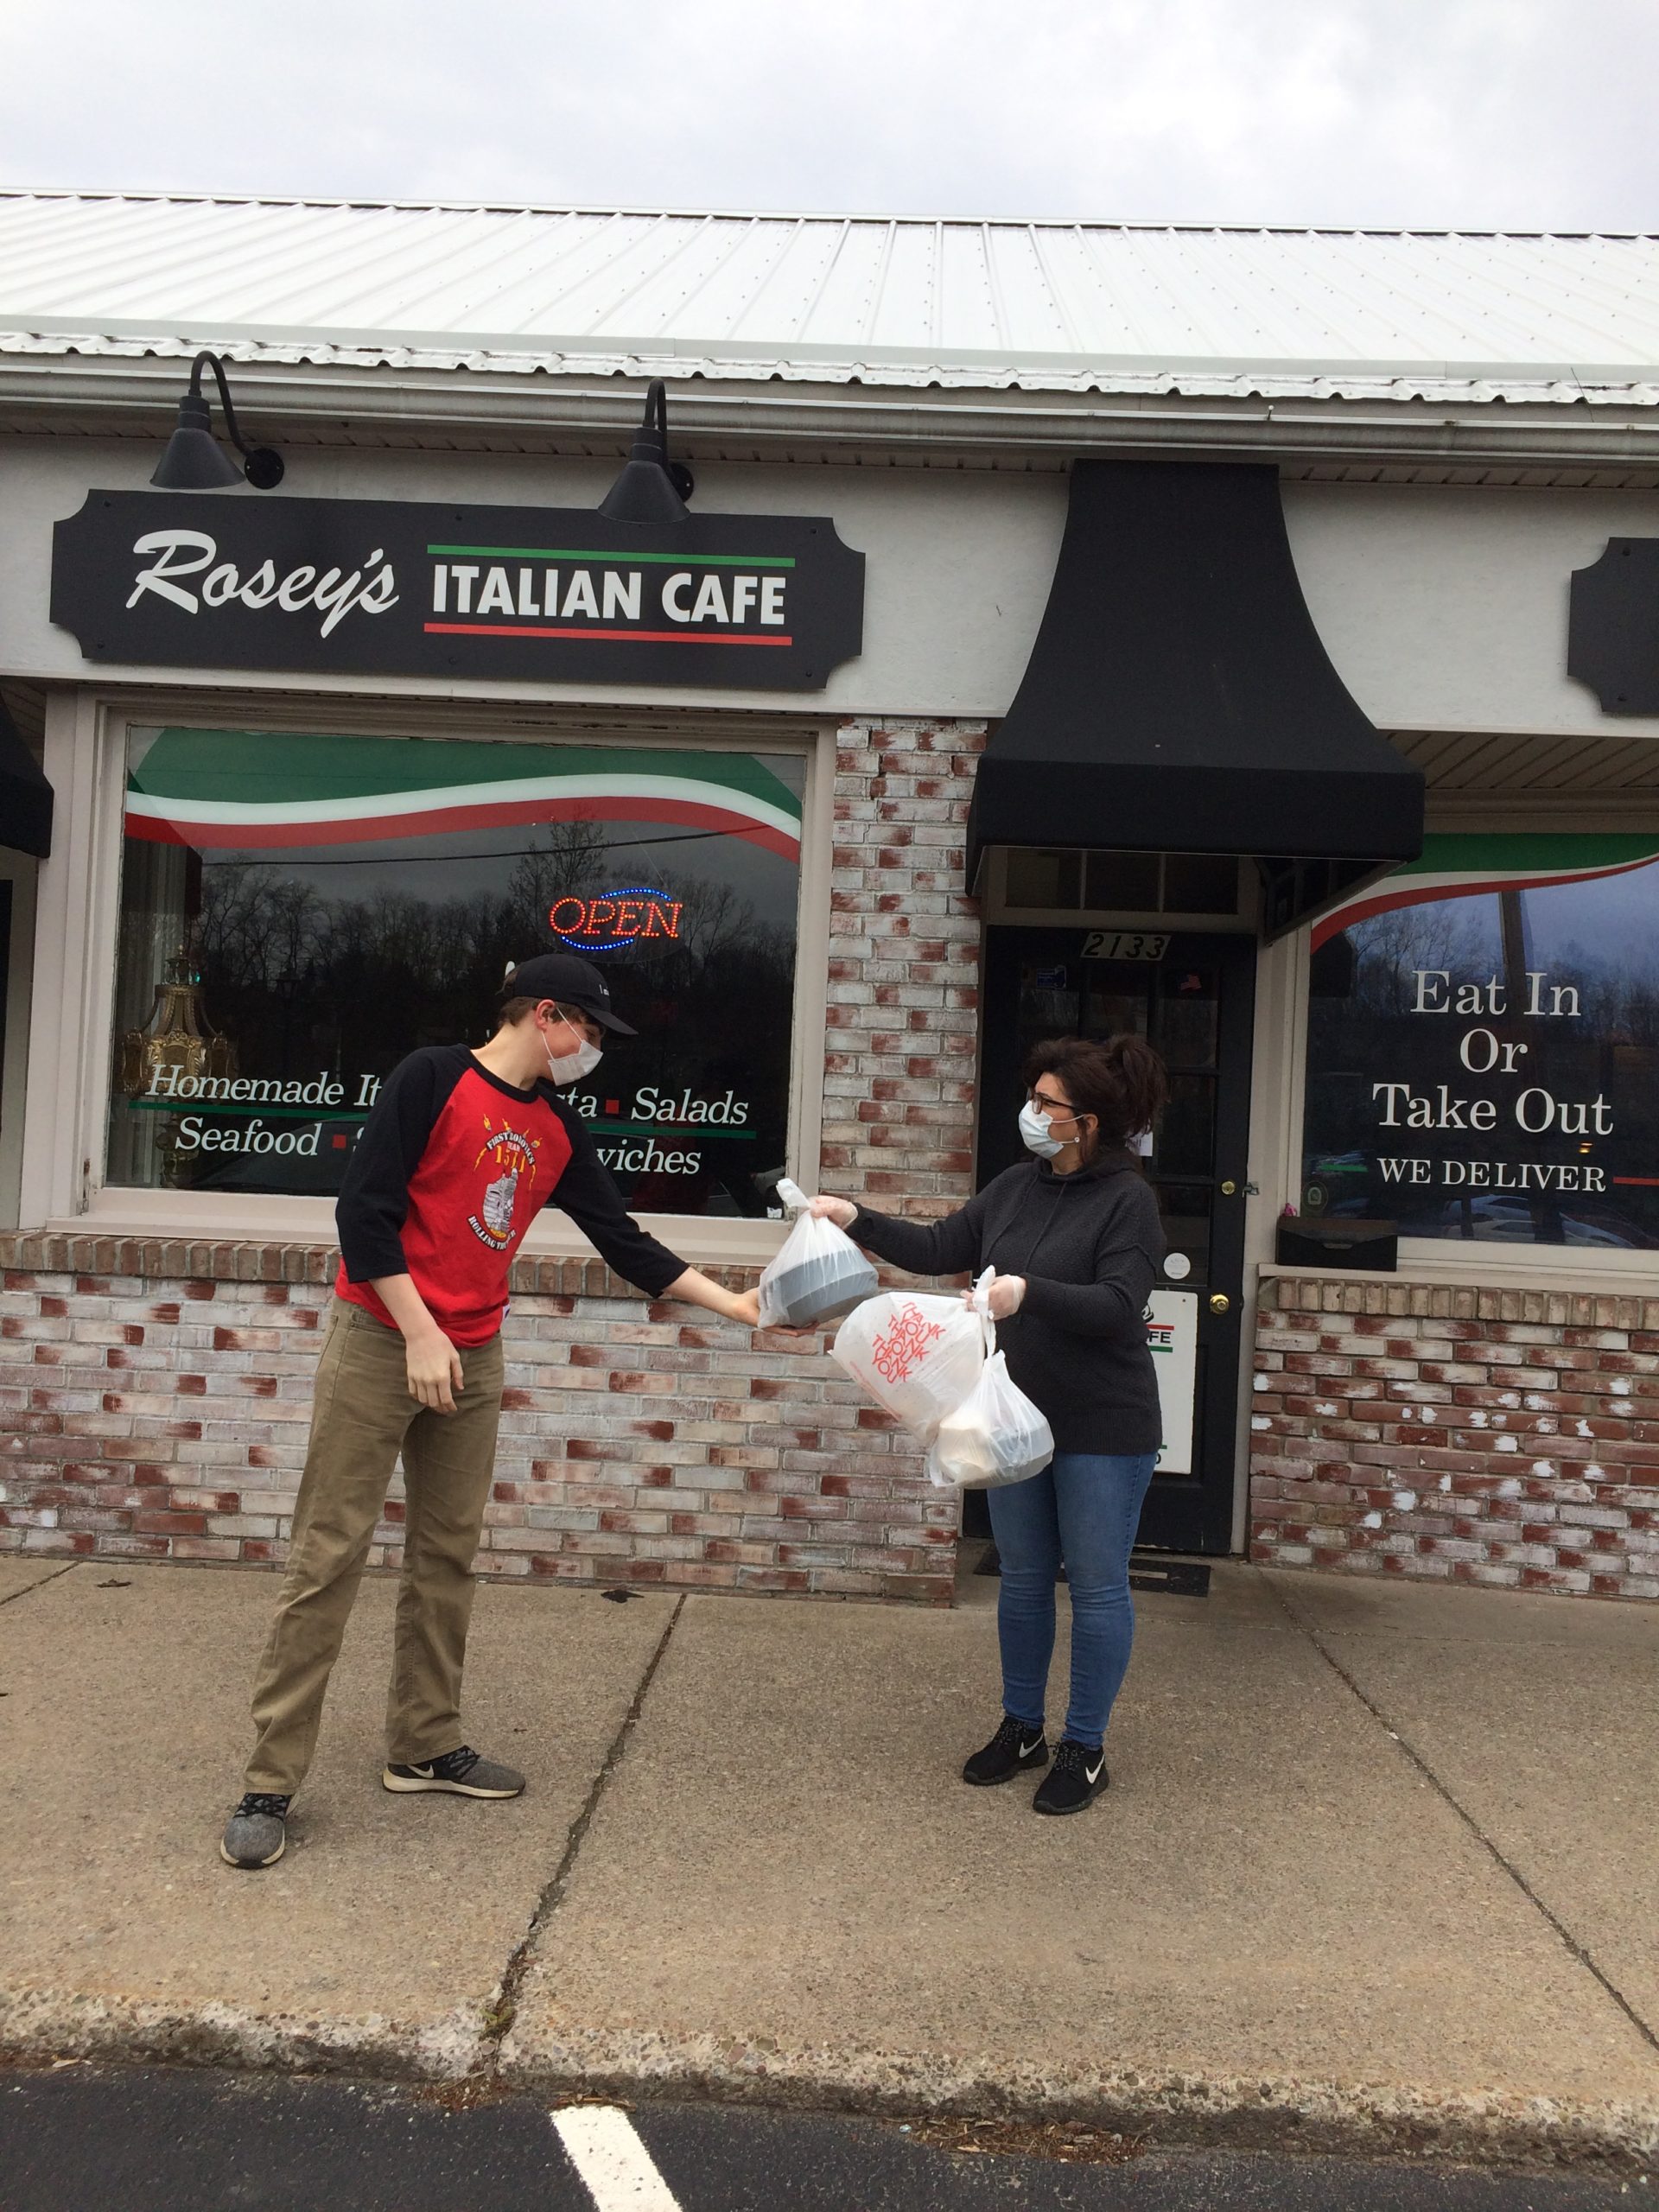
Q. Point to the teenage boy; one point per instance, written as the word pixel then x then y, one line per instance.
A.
pixel 459 1152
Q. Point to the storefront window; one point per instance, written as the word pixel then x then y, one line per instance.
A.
pixel 1483 1058
pixel 298 911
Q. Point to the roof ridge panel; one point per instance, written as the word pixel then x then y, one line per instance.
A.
pixel 957 363
pixel 923 218
pixel 1202 378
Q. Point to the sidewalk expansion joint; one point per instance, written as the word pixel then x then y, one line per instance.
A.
pixel 1569 1941
pixel 498 2014
pixel 29 1588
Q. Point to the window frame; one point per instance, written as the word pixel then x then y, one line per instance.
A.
pixel 72 1000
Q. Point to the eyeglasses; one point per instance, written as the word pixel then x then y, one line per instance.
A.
pixel 583 1024
pixel 1056 1107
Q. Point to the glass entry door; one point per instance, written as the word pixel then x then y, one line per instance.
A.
pixel 1191 996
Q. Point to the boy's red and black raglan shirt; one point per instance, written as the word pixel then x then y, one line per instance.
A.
pixel 452 1166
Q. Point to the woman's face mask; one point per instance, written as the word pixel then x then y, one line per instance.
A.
pixel 1034 1129
pixel 571 1067
pixel 1037 1129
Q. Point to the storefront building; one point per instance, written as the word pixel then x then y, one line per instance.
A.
pixel 1251 639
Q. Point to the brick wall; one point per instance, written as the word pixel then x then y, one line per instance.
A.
pixel 154 1396
pixel 1503 1437
pixel 904 968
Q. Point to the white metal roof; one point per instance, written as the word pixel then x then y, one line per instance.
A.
pixel 1058 307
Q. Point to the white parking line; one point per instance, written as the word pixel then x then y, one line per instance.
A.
pixel 615 2166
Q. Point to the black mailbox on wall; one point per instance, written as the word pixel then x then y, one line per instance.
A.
pixel 1311 1243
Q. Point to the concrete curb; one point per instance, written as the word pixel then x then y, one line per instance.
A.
pixel 45 2024
pixel 1178 2110
pixel 1252 2113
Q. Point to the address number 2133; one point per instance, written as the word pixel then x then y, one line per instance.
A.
pixel 1124 944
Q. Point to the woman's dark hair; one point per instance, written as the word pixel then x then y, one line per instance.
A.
pixel 1120 1080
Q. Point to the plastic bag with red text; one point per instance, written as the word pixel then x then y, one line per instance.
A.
pixel 917 1355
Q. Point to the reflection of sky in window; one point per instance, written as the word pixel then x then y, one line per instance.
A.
pixel 471 863
pixel 1614 917
pixel 1610 920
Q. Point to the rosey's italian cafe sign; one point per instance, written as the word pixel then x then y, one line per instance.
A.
pixel 357 587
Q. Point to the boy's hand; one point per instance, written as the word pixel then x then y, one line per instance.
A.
pixel 433 1369
pixel 746 1307
pixel 841 1211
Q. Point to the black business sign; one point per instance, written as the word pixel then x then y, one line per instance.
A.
pixel 1612 637
pixel 381 588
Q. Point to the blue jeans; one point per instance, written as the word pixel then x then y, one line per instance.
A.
pixel 1084 1508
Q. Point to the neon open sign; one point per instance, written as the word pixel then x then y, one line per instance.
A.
pixel 615 919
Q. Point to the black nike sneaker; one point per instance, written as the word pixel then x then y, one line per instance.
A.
pixel 1079 1778
pixel 1014 1749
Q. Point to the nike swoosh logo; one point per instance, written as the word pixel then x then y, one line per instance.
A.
pixel 1093 1772
pixel 1027 1749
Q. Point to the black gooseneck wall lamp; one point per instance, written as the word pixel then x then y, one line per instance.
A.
pixel 652 490
pixel 194 461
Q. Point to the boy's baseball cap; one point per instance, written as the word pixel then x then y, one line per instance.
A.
pixel 572 981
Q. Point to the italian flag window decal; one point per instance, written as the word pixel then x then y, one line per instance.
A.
pixel 1457 867
pixel 241 790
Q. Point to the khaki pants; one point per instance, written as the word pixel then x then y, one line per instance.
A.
pixel 362 1419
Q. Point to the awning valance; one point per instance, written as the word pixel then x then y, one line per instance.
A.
pixel 1179 698
pixel 25 795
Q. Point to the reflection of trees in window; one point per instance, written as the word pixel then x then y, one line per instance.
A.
pixel 568 862
pixel 304 981
pixel 1394 947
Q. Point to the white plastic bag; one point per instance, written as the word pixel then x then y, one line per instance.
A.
pixel 995 1436
pixel 819 1274
pixel 917 1355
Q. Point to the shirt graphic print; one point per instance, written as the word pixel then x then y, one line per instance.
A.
pixel 511 1152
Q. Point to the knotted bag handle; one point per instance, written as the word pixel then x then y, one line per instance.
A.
pixel 980 1300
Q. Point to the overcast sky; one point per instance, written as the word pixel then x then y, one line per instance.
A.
pixel 1486 113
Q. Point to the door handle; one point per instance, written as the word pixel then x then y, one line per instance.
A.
pixel 1220 1303
pixel 1228 1188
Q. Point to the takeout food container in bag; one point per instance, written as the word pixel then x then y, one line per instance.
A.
pixel 995 1437
pixel 818 1274
pixel 915 1354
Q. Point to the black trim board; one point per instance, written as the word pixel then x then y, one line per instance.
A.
pixel 25 795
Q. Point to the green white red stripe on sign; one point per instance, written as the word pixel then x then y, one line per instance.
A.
pixel 236 789
pixel 1470 867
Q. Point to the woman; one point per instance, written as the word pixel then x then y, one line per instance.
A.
pixel 1075 1238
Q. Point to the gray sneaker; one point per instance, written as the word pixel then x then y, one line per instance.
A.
pixel 461 1773
pixel 254 1834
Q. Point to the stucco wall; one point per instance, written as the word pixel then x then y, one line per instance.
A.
pixel 1442 606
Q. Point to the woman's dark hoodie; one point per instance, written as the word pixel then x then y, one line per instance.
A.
pixel 1089 1245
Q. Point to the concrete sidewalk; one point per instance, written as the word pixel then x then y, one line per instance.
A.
pixel 1377 1869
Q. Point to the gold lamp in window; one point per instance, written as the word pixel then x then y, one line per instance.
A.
pixel 177 1044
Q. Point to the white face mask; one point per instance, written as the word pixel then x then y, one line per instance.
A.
pixel 1034 1128
pixel 571 1067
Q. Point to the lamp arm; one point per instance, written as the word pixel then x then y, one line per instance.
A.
pixel 657 416
pixel 206 361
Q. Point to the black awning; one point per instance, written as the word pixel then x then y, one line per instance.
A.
pixel 1179 698
pixel 25 795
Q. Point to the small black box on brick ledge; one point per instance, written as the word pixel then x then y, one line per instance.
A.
pixel 1332 1242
